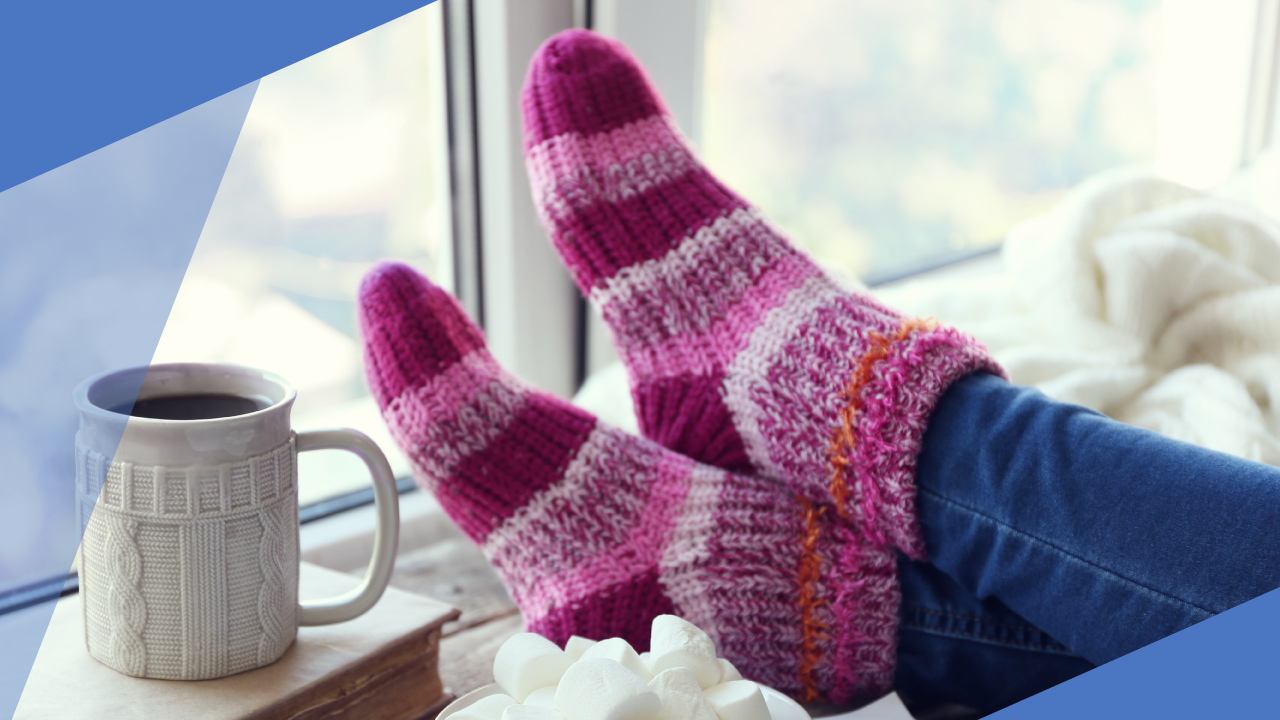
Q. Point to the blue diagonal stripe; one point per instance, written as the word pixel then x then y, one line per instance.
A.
pixel 91 258
pixel 76 76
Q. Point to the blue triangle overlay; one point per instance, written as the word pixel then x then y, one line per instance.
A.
pixel 77 76
pixel 1226 666
pixel 91 258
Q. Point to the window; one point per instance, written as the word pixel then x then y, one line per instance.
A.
pixel 342 161
pixel 886 135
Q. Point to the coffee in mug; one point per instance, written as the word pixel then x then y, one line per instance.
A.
pixel 207 406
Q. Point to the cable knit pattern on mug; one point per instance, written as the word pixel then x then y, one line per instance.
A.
pixel 128 609
pixel 187 573
pixel 271 595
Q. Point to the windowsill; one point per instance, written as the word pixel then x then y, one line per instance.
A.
pixel 344 541
pixel 982 266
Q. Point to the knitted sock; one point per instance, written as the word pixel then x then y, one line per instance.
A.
pixel 741 351
pixel 596 531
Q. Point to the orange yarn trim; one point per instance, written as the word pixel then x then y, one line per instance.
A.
pixel 844 440
pixel 812 628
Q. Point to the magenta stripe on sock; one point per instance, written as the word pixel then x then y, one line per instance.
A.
pixel 402 325
pixel 529 456
pixel 471 509
pixel 687 414
pixel 619 611
pixel 652 223
pixel 583 84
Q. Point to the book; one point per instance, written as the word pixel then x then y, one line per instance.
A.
pixel 381 666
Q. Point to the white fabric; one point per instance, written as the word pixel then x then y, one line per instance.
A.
pixel 1142 299
pixel 606 395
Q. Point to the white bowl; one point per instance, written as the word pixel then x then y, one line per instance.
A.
pixel 781 707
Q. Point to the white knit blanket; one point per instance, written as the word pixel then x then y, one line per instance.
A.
pixel 1151 302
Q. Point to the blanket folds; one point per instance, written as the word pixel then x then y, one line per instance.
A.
pixel 1140 298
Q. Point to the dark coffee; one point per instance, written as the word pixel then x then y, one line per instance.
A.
pixel 193 407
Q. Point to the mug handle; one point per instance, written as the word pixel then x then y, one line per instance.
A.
pixel 386 535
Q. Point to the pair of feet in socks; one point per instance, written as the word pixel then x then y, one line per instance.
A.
pixel 782 413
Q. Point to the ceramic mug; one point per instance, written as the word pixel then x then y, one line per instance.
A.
pixel 189 558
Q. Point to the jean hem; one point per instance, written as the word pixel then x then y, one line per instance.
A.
pixel 936 623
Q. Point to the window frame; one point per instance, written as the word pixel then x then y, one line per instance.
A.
pixel 506 274
pixel 525 299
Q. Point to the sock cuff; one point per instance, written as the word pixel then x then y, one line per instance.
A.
pixel 787 589
pixel 897 382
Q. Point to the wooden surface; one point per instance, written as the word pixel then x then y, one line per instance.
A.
pixel 379 666
pixel 394 685
pixel 453 570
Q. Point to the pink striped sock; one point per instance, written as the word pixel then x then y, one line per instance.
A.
pixel 595 531
pixel 742 352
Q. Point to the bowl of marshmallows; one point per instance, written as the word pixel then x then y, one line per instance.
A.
pixel 680 678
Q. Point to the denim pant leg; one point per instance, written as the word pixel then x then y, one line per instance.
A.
pixel 1106 536
pixel 959 656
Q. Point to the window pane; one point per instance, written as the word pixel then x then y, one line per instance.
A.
pixel 341 162
pixel 888 134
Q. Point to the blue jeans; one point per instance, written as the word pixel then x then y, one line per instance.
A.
pixel 1060 540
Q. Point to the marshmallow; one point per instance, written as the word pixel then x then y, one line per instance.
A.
pixel 602 689
pixel 543 697
pixel 490 708
pixel 531 712
pixel 577 645
pixel 620 651
pixel 647 659
pixel 738 700
pixel 728 673
pixel 681 696
pixel 526 662
pixel 679 643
